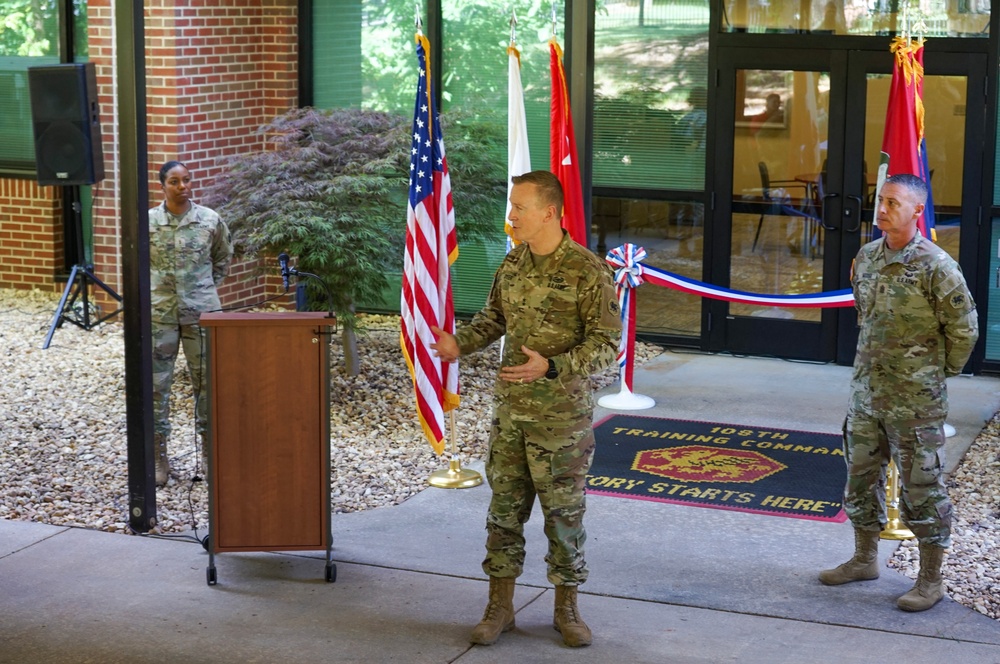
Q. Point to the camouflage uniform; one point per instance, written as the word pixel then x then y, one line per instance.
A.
pixel 918 326
pixel 542 438
pixel 188 259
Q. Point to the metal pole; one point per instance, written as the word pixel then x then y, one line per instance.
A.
pixel 580 79
pixel 133 178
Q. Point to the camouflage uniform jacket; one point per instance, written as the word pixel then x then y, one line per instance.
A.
pixel 188 259
pixel 567 311
pixel 918 326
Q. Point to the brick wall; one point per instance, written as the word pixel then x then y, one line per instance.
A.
pixel 31 235
pixel 106 235
pixel 216 70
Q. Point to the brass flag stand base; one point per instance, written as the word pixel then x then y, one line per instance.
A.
pixel 894 529
pixel 455 477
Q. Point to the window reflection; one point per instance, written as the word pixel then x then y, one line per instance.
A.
pixel 672 233
pixel 650 103
pixel 779 155
pixel 932 18
pixel 29 37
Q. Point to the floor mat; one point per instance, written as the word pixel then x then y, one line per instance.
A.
pixel 781 472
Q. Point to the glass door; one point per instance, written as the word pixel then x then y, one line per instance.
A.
pixel 954 100
pixel 805 130
pixel 777 203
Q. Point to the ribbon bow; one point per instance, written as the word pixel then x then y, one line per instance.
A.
pixel 627 261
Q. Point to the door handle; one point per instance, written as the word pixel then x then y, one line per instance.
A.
pixel 822 213
pixel 847 213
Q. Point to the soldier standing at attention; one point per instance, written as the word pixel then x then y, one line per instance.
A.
pixel 555 302
pixel 918 326
pixel 189 254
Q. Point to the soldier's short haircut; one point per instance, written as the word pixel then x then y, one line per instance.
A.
pixel 166 169
pixel 547 186
pixel 911 183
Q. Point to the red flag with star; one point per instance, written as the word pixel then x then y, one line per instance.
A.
pixel 562 150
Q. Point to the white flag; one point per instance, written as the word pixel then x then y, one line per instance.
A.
pixel 518 157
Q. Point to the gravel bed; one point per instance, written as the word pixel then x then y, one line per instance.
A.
pixel 62 423
pixel 972 564
pixel 63 456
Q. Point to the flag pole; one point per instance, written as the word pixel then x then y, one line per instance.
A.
pixel 894 529
pixel 455 477
pixel 426 299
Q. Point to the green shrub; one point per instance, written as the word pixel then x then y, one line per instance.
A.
pixel 330 189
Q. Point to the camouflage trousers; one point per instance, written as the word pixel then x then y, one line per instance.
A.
pixel 167 340
pixel 917 447
pixel 550 460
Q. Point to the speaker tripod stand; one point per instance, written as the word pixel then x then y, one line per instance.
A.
pixel 78 289
pixel 78 284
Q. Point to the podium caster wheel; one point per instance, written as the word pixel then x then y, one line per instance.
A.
pixel 210 576
pixel 206 544
pixel 331 573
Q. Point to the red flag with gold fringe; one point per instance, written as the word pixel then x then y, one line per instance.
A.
pixel 903 140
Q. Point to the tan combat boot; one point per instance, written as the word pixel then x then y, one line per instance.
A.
pixel 160 458
pixel 567 620
pixel 862 567
pixel 929 588
pixel 499 614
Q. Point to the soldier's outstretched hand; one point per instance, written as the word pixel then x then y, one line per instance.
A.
pixel 446 347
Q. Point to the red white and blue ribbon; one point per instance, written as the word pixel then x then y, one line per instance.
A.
pixel 837 298
pixel 626 260
pixel 631 272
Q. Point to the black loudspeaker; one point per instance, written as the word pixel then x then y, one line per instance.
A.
pixel 66 123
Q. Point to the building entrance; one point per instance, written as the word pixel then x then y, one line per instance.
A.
pixel 798 156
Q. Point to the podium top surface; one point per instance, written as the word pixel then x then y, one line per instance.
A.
pixel 269 318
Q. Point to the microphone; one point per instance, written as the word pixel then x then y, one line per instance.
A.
pixel 283 263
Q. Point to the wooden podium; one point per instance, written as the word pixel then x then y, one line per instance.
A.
pixel 269 436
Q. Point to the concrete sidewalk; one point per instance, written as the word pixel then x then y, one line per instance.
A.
pixel 668 583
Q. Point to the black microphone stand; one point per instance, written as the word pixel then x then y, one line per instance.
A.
pixel 329 294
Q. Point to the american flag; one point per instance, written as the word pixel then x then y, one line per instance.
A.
pixel 431 248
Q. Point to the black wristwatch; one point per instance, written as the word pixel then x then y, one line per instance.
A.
pixel 552 373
